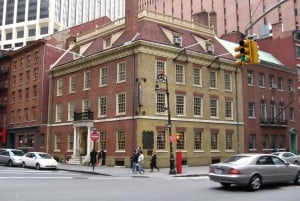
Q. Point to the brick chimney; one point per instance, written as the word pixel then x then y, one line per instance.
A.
pixel 131 18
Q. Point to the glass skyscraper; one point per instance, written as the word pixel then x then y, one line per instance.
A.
pixel 23 21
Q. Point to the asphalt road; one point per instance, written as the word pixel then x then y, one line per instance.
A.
pixel 18 184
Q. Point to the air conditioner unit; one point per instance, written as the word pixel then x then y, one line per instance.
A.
pixel 177 41
pixel 273 86
pixel 210 48
pixel 291 89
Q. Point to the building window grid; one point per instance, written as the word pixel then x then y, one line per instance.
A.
pixel 102 106
pixel 57 142
pixel 197 140
pixel 265 142
pixel 58 113
pixel 59 89
pixel 180 145
pixel 212 79
pixel 198 106
pixel 70 141
pixel 161 140
pixel 180 105
pixel 227 82
pixel 252 141
pixel 103 139
pixel 121 140
pixel 87 80
pixel 103 76
pixel 261 79
pixel 121 103
pixel 251 109
pixel 122 72
pixel 292 114
pixel 86 105
pixel 229 140
pixel 161 103
pixel 214 107
pixel 72 87
pixel 250 78
pixel 263 110
pixel 179 71
pixel 160 67
pixel 280 83
pixel 273 111
pixel 228 109
pixel 71 110
pixel 197 76
pixel 214 140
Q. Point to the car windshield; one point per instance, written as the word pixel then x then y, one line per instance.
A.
pixel 237 159
pixel 44 155
pixel 17 153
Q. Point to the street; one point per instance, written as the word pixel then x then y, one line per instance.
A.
pixel 47 185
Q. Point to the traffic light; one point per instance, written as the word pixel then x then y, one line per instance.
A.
pixel 243 55
pixel 254 52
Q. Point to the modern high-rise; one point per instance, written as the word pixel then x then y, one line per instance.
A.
pixel 24 21
pixel 227 16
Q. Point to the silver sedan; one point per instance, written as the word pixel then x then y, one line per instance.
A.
pixel 288 156
pixel 254 170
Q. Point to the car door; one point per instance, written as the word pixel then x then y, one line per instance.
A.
pixel 267 169
pixel 284 172
pixel 4 157
pixel 30 160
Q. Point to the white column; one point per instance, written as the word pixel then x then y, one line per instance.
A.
pixel 88 141
pixel 75 143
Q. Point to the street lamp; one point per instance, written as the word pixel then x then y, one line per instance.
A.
pixel 163 78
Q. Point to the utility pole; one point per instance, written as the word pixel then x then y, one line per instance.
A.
pixel 263 15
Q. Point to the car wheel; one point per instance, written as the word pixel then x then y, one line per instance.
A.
pixel 225 185
pixel 23 165
pixel 255 183
pixel 38 166
pixel 10 164
pixel 297 179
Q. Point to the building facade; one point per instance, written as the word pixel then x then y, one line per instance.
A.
pixel 24 21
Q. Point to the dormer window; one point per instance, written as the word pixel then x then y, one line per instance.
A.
pixel 177 40
pixel 107 43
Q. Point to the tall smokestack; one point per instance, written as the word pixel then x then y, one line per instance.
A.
pixel 131 18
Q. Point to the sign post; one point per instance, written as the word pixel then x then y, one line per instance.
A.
pixel 94 138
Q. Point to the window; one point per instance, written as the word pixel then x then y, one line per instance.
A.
pixel 160 103
pixel 70 141
pixel 19 117
pixel 103 76
pixel 19 94
pixel 9 36
pixel 229 140
pixel 280 83
pixel 107 43
pixel 121 103
pixel 265 142
pixel 227 82
pixel 214 140
pixel 252 141
pixel 197 76
pixel 251 109
pixel 272 82
pixel 281 112
pixel 212 79
pixel 20 34
pixel 197 140
pixel 31 32
pixel 44 30
pixel 28 60
pixel 198 106
pixel 180 142
pixel 87 80
pixel 102 106
pixel 57 142
pixel 59 87
pixel 290 85
pixel 72 87
pixel 273 112
pixel 122 72
pixel 161 140
pixel 35 73
pixel 180 105
pixel 263 111
pixel 282 141
pixel 35 91
pixel 179 74
pixel 103 139
pixel 58 113
pixel 27 93
pixel 42 140
pixel 33 113
pixel 86 105
pixel 71 110
pixel 214 107
pixel 228 109
pixel 292 114
pixel 160 67
pixel 120 140
pixel 261 79
pixel 177 40
pixel 250 78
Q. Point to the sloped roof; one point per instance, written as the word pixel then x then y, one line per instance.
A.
pixel 263 56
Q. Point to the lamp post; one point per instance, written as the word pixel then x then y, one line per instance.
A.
pixel 161 77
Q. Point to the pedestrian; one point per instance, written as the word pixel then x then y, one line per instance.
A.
pixel 134 161
pixel 93 158
pixel 141 161
pixel 153 161
pixel 101 156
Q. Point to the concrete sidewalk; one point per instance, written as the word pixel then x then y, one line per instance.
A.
pixel 122 171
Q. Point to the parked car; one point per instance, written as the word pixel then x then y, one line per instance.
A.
pixel 254 170
pixel 11 157
pixel 39 160
pixel 288 156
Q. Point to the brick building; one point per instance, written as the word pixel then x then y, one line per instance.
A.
pixel 111 88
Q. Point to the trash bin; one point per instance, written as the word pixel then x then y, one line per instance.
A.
pixel 179 162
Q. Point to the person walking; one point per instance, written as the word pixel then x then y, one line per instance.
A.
pixel 134 162
pixel 101 157
pixel 141 161
pixel 153 161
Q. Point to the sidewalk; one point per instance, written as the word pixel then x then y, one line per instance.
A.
pixel 122 171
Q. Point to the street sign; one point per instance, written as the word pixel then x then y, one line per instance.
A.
pixel 95 136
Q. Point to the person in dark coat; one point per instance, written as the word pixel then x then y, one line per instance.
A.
pixel 93 156
pixel 153 161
